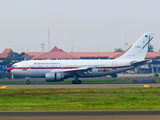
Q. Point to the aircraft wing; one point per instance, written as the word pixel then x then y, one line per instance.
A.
pixel 74 70
pixel 139 63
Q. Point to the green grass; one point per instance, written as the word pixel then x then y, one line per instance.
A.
pixel 84 81
pixel 157 80
pixel 80 99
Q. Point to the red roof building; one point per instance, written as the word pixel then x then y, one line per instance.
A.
pixel 4 54
pixel 57 53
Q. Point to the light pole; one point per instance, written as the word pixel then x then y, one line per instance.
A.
pixel 43 49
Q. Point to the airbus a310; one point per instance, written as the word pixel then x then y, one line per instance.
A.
pixel 58 70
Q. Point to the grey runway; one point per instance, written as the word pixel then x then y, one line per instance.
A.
pixel 80 86
pixel 78 115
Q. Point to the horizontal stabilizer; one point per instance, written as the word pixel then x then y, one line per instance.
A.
pixel 139 63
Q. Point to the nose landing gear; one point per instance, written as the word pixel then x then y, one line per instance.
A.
pixel 27 82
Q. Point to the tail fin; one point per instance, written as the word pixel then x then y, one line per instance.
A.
pixel 139 48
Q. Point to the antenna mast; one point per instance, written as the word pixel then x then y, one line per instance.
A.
pixel 126 43
pixel 71 45
pixel 48 39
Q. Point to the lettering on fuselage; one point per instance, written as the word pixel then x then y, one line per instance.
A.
pixel 57 64
pixel 130 55
pixel 45 65
pixel 137 46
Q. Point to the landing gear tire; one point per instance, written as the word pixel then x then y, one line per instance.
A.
pixel 27 82
pixel 73 82
pixel 76 82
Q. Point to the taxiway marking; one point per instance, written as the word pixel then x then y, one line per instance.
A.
pixel 146 86
pixel 3 87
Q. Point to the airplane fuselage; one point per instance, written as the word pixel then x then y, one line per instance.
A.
pixel 38 68
pixel 58 70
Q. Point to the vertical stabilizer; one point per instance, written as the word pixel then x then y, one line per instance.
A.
pixel 139 48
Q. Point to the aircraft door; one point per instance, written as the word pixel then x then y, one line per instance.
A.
pixel 114 65
pixel 62 66
pixel 24 68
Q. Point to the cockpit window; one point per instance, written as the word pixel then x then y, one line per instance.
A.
pixel 14 65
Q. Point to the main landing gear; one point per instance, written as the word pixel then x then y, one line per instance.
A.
pixel 76 81
pixel 114 75
pixel 27 82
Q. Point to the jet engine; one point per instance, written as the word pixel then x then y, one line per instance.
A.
pixel 53 77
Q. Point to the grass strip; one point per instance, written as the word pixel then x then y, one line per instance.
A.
pixel 34 82
pixel 80 99
pixel 157 80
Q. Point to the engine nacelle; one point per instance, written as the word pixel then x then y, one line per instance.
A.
pixel 53 77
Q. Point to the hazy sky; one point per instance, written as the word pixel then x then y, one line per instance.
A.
pixel 88 25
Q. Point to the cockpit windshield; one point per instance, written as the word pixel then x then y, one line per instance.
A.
pixel 14 66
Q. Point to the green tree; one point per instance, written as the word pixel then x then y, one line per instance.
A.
pixel 118 50
pixel 150 48
pixel 5 62
pixel 12 54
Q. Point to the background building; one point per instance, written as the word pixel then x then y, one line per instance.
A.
pixel 57 53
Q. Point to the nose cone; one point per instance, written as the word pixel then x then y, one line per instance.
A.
pixel 9 69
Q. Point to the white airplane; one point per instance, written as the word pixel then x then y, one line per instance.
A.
pixel 58 70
